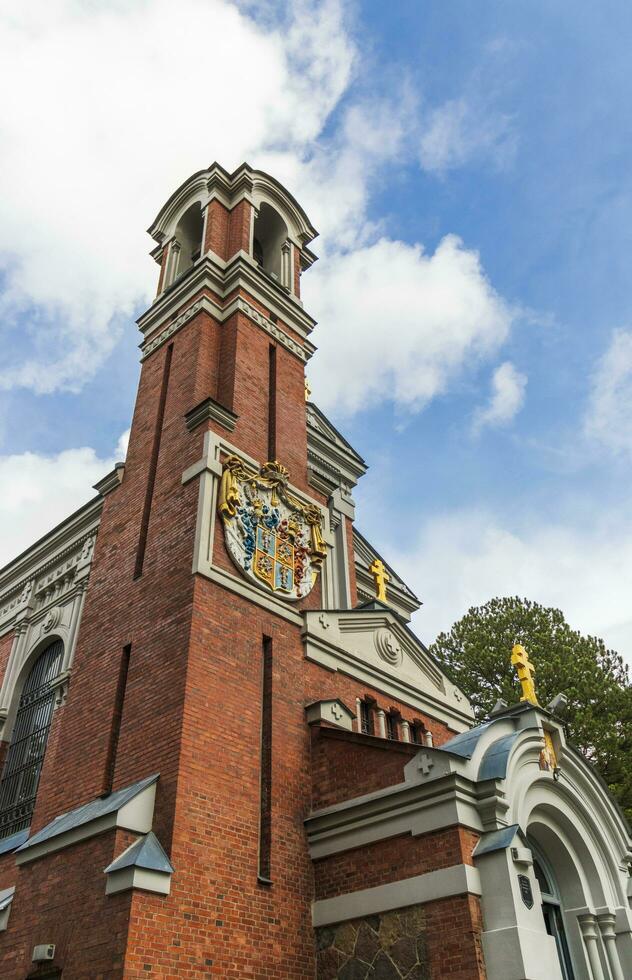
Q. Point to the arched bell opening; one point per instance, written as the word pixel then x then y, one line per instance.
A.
pixel 269 237
pixel 188 236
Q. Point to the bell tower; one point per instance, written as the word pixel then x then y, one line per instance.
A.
pixel 231 250
pixel 222 680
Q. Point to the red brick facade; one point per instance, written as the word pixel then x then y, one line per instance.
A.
pixel 192 710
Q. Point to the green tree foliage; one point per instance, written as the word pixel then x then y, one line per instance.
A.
pixel 476 654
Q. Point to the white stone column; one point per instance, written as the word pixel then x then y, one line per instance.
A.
pixel 285 265
pixel 381 722
pixel 590 934
pixel 427 739
pixel 359 715
pixel 172 262
pixel 607 921
pixel 405 731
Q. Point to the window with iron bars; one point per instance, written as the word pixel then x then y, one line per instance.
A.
pixel 416 733
pixel 391 727
pixel 366 718
pixel 20 778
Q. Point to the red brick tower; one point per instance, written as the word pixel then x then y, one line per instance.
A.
pixel 221 646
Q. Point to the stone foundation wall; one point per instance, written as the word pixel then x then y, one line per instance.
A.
pixel 390 946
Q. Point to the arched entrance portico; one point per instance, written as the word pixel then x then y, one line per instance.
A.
pixel 579 892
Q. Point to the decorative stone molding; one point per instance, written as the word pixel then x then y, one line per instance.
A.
pixel 223 280
pixel 210 410
pixel 459 879
pixel 52 619
pixel 387 647
pixel 111 481
pixel 60 686
pixel 221 313
pixel 374 646
pixel 331 712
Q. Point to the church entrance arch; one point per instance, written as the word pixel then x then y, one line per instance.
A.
pixel 552 911
pixel 575 899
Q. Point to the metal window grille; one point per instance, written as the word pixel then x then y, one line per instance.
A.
pixel 391 728
pixel 18 788
pixel 415 733
pixel 366 719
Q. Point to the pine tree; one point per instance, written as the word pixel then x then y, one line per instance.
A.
pixel 476 654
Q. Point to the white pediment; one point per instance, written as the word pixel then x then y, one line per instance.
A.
pixel 372 644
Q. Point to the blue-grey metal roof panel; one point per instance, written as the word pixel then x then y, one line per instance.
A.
pixel 496 840
pixel 14 841
pixel 465 743
pixel 146 852
pixel 494 762
pixel 89 811
pixel 6 897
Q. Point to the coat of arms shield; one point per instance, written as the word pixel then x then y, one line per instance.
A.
pixel 271 536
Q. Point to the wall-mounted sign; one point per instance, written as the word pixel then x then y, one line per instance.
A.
pixel 525 890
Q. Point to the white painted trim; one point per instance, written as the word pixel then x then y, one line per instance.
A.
pixel 224 279
pixel 336 659
pixel 460 879
pixel 6 912
pixel 142 878
pixel 135 815
pixel 403 809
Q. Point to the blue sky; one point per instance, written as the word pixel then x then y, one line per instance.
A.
pixel 468 166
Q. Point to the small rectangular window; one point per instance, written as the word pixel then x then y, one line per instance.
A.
pixel 391 727
pixel 366 718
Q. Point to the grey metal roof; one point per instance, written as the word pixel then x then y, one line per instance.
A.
pixel 465 743
pixel 494 762
pixel 6 897
pixel 146 852
pixel 14 841
pixel 496 840
pixel 89 811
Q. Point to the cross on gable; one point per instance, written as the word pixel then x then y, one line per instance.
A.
pixel 336 711
pixel 425 764
pixel 381 576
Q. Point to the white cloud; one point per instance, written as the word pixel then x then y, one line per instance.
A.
pixel 608 419
pixel 464 129
pixel 116 105
pixel 39 491
pixel 506 399
pixel 465 558
pixel 400 324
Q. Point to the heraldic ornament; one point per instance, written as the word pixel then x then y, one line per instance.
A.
pixel 272 537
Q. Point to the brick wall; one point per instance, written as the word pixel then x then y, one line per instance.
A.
pixel 392 859
pixel 345 765
pixel 192 708
pixel 62 900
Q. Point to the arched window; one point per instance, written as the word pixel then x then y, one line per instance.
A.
pixel 270 235
pixel 18 788
pixel 189 237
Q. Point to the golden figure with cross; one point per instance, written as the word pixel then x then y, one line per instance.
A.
pixel 525 670
pixel 381 577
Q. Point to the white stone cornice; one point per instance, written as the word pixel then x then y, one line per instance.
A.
pixel 224 279
pixel 459 879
